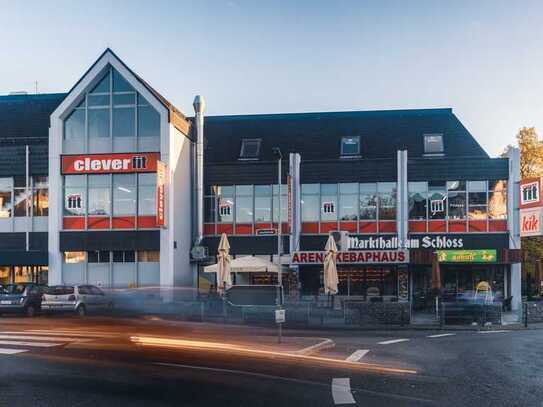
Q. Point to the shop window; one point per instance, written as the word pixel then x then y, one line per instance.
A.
pixel 437 200
pixel 263 203
pixel 328 202
pixel 250 148
pixel 284 203
pixel 456 205
pixel 433 143
pixel 74 257
pixel 350 146
pixel 124 194
pixel 146 194
pixel 6 186
pixel 148 256
pixel 310 202
pixel 124 256
pixel 418 192
pixel 99 195
pixel 368 201
pixel 244 204
pixel 387 200
pixel 98 256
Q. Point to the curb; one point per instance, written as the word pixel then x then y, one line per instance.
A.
pixel 326 343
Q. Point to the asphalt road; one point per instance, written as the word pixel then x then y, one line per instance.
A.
pixel 68 361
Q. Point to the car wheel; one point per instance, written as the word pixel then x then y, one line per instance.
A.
pixel 81 311
pixel 30 311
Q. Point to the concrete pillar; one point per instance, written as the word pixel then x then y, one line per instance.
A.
pixel 513 224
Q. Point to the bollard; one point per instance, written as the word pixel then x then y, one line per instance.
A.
pixel 525 314
pixel 442 315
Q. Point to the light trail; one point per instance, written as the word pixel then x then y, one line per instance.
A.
pixel 172 343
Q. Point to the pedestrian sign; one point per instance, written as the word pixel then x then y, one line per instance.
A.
pixel 279 316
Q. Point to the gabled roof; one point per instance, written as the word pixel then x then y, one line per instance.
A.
pixel 175 116
pixel 317 136
pixel 24 119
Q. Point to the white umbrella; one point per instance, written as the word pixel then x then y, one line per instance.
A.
pixel 246 264
pixel 224 278
pixel 330 269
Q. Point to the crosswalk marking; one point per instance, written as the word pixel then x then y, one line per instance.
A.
pixel 341 391
pixel 357 355
pixel 393 341
pixel 439 335
pixel 6 351
pixel 494 332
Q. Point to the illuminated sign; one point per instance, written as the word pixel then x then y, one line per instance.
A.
pixel 354 257
pixel 467 256
pixel 392 242
pixel 109 163
pixel 161 179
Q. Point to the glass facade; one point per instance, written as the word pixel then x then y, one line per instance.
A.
pixel 112 117
pixel 17 200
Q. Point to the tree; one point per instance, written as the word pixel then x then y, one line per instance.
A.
pixel 531 165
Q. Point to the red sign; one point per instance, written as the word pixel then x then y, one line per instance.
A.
pixel 530 222
pixel 109 163
pixel 161 179
pixel 530 193
pixel 354 257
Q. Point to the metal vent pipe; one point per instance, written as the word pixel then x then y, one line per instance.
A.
pixel 199 107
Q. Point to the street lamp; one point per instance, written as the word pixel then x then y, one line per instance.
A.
pixel 279 157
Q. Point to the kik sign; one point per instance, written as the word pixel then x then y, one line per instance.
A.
pixel 530 222
pixel 109 163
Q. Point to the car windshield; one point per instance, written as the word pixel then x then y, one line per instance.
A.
pixel 13 289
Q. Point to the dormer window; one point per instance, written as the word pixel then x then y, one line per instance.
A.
pixel 433 144
pixel 250 149
pixel 350 146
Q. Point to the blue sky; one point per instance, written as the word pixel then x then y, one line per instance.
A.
pixel 482 58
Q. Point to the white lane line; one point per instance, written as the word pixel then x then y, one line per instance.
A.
pixel 4 351
pixel 42 338
pixel 494 332
pixel 439 335
pixel 357 355
pixel 310 350
pixel 393 341
pixel 63 333
pixel 341 391
pixel 31 344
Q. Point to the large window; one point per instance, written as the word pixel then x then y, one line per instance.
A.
pixel 99 195
pixel 368 201
pixel 284 203
pixel 40 196
pixel 244 204
pixel 6 188
pixel 225 197
pixel 477 200
pixel 437 200
pixel 418 191
pixel 348 201
pixel 147 194
pixel 263 203
pixel 124 194
pixel 497 199
pixel 329 202
pixel 387 200
pixel 457 201
pixel 75 196
pixel 21 197
pixel 310 202
pixel 112 109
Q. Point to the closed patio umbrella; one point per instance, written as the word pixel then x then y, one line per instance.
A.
pixel 224 278
pixel 330 269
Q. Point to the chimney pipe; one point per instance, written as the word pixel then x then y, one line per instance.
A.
pixel 199 107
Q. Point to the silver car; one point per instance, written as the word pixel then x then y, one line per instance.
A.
pixel 79 298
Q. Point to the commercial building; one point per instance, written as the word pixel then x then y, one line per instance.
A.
pixel 79 200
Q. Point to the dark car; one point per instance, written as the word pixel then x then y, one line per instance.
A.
pixel 23 298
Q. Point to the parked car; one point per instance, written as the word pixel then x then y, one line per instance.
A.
pixel 23 298
pixel 79 298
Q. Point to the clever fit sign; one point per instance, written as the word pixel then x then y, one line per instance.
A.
pixel 531 207
pixel 109 163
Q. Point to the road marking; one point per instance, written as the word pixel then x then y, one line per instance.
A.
pixel 494 332
pixel 393 341
pixel 4 351
pixel 341 391
pixel 357 355
pixel 325 344
pixel 42 338
pixel 31 344
pixel 439 335
pixel 87 334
